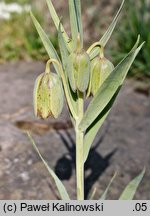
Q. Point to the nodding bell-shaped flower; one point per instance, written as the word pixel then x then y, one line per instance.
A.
pixel 48 95
pixel 100 70
pixel 78 69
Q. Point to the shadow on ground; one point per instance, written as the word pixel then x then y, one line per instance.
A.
pixel 94 166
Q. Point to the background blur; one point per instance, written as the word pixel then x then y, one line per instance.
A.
pixel 122 145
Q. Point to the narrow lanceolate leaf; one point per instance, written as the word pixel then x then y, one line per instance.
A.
pixel 131 188
pixel 136 44
pixel 108 33
pixel 62 46
pixel 103 197
pixel 108 89
pixel 56 21
pixel 95 126
pixel 75 20
pixel 103 41
pixel 46 42
pixel 90 135
pixel 62 191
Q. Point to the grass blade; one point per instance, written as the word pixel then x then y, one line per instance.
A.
pixel 103 41
pixel 93 194
pixel 56 21
pixel 103 197
pixel 62 191
pixel 108 89
pixel 76 20
pixel 46 42
pixel 131 188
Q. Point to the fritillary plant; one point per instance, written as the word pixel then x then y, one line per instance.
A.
pixel 80 74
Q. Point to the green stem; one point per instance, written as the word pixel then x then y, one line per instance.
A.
pixel 93 46
pixel 78 43
pixel 79 150
pixel 101 53
pixel 47 70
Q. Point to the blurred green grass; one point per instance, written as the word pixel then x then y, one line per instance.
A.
pixel 135 20
pixel 19 38
pixel 22 2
